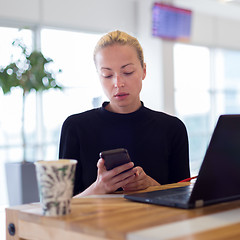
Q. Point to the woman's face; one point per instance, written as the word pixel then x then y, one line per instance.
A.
pixel 121 76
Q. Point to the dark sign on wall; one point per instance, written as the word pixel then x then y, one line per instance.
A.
pixel 170 22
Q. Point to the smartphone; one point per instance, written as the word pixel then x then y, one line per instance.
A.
pixel 114 158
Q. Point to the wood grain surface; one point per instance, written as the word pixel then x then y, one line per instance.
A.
pixel 111 217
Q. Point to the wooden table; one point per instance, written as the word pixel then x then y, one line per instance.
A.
pixel 113 217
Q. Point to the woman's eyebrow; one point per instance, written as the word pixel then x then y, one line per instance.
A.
pixel 127 65
pixel 105 68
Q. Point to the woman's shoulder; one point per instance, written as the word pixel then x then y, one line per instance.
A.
pixel 81 117
pixel 163 117
pixel 160 114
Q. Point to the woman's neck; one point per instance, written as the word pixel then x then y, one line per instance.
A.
pixel 123 109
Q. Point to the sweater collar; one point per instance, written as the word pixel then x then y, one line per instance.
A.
pixel 135 114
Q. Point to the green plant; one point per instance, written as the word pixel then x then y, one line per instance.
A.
pixel 28 73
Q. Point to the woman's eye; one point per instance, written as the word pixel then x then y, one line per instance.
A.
pixel 107 76
pixel 129 73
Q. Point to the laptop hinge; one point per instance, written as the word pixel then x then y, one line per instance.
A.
pixel 199 203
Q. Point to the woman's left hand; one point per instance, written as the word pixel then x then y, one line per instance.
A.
pixel 141 181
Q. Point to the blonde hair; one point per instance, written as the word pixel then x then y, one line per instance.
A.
pixel 121 38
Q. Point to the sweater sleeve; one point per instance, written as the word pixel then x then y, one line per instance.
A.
pixel 69 149
pixel 179 159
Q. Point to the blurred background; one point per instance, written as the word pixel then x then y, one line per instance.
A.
pixel 193 74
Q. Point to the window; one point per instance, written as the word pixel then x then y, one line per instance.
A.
pixel 72 52
pixel 227 81
pixel 10 107
pixel 207 84
pixel 44 114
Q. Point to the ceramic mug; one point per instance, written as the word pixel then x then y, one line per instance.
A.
pixel 55 184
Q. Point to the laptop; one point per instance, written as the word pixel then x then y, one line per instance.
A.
pixel 219 175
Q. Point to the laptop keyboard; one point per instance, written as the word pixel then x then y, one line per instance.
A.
pixel 180 194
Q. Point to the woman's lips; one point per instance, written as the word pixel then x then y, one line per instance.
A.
pixel 121 95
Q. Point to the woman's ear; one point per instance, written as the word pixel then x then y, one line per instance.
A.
pixel 144 71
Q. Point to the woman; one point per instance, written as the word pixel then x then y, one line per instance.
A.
pixel 157 143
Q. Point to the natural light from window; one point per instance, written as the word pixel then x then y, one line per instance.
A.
pixel 207 84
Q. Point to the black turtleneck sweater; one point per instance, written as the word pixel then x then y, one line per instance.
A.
pixel 155 141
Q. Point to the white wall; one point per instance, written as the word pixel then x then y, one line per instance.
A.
pixel 152 92
pixel 214 23
pixel 215 31
pixel 88 15
pixel 24 10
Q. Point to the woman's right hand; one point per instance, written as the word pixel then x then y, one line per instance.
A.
pixel 110 181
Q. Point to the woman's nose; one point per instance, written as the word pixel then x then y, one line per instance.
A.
pixel 118 82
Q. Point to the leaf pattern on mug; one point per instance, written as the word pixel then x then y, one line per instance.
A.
pixel 56 188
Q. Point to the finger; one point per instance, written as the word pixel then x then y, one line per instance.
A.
pixel 124 182
pixel 140 182
pixel 139 171
pixel 122 168
pixel 134 186
pixel 122 176
pixel 113 182
pixel 100 165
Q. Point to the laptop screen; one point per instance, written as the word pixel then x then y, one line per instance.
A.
pixel 219 176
